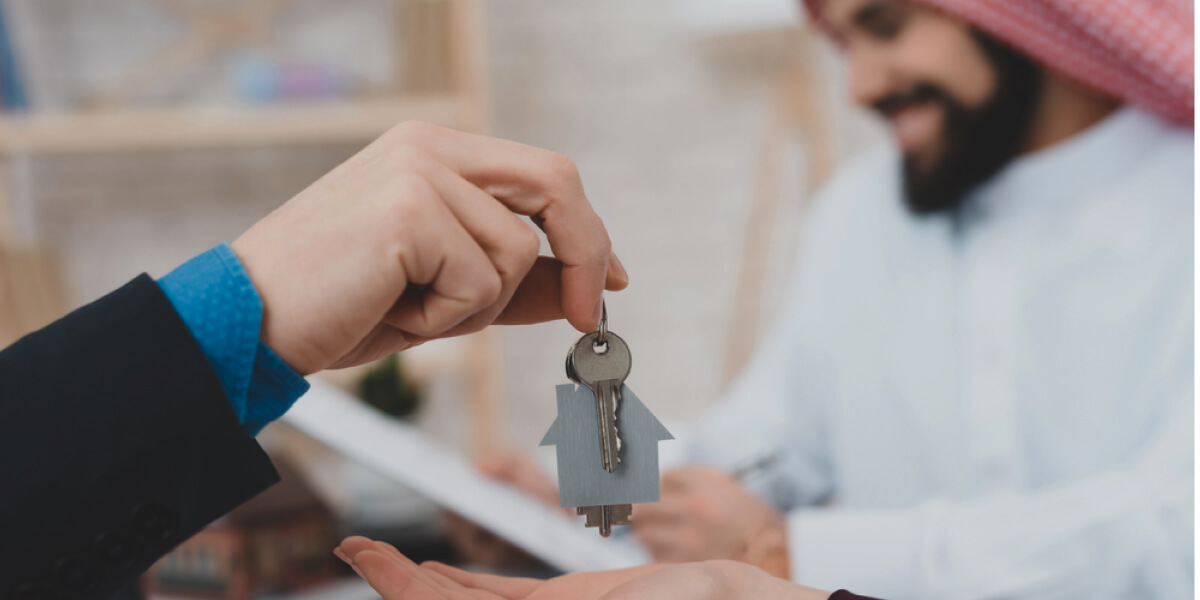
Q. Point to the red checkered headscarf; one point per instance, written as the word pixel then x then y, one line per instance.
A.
pixel 1141 51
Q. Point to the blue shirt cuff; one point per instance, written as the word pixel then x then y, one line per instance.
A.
pixel 217 301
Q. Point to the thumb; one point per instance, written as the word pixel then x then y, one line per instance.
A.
pixel 538 298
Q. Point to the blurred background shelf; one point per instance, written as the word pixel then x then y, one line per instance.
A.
pixel 182 75
pixel 139 129
pixel 191 103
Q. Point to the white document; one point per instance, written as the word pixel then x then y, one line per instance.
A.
pixel 399 451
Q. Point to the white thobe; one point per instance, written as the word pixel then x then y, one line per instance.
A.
pixel 994 406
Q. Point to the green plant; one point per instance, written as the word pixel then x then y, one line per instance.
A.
pixel 387 387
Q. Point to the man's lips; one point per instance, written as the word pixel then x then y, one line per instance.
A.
pixel 915 124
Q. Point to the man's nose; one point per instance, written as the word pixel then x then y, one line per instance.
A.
pixel 869 78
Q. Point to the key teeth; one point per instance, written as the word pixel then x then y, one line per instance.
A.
pixel 618 514
pixel 616 429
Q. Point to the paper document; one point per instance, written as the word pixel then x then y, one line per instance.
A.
pixel 399 451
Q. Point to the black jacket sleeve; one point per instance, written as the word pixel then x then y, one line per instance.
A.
pixel 845 595
pixel 116 444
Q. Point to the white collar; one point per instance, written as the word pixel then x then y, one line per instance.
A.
pixel 1074 167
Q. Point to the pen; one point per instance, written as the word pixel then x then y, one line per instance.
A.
pixel 755 466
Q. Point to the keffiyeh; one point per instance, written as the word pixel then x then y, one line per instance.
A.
pixel 1141 51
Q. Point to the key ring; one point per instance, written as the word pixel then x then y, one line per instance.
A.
pixel 602 335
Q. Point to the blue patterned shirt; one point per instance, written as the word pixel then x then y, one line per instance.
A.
pixel 217 301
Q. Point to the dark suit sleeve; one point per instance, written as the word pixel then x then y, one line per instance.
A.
pixel 116 444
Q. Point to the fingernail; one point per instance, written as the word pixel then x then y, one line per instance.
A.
pixel 346 559
pixel 617 267
pixel 596 313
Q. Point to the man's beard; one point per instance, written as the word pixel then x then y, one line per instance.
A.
pixel 976 142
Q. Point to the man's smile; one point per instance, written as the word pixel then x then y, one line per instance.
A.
pixel 916 125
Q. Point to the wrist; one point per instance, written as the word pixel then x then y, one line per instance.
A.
pixel 269 333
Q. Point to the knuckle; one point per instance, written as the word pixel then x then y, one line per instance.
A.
pixel 532 243
pixel 604 252
pixel 409 186
pixel 410 158
pixel 413 130
pixel 562 169
pixel 526 245
pixel 412 198
pixel 518 252
pixel 597 257
pixel 489 289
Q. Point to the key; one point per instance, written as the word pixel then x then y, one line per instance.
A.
pixel 603 367
pixel 601 362
pixel 606 516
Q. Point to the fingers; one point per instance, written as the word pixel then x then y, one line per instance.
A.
pixel 415 237
pixel 539 297
pixel 439 254
pixel 711 580
pixel 576 235
pixel 542 184
pixel 382 340
pixel 507 587
pixel 394 575
pixel 617 278
pixel 395 580
pixel 351 546
pixel 509 243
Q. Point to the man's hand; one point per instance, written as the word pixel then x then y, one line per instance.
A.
pixel 704 514
pixel 395 577
pixel 418 237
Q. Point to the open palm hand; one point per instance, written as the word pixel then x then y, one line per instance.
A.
pixel 396 577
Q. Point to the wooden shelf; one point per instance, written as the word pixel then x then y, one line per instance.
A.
pixel 132 129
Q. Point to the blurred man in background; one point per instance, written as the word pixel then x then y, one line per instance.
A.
pixel 981 383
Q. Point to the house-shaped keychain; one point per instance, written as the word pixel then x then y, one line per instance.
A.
pixel 582 480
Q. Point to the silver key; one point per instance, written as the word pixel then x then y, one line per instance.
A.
pixel 603 367
pixel 601 361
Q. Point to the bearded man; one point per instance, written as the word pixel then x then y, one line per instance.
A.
pixel 981 384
